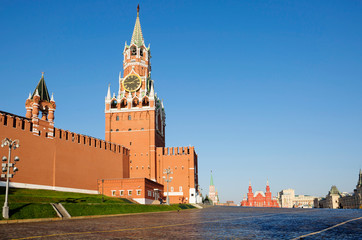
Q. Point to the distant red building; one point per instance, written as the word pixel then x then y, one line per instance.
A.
pixel 259 198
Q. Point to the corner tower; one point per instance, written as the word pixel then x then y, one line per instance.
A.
pixel 135 117
pixel 38 102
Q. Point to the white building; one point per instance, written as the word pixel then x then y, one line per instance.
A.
pixel 288 199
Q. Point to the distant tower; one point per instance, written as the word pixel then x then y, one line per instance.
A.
pixel 359 183
pixel 212 192
pixel 250 195
pixel 268 194
pixel 38 102
pixel 135 117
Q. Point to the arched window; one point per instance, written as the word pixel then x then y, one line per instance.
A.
pixel 141 52
pixel 123 103
pixel 135 102
pixel 129 117
pixel 114 104
pixel 133 51
pixel 145 102
pixel 117 118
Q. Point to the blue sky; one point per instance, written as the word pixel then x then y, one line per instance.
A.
pixel 262 89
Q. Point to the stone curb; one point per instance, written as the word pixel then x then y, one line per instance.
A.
pixel 83 217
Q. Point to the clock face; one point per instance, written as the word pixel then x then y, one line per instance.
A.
pixel 132 83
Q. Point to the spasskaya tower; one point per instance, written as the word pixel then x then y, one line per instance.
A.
pixel 135 117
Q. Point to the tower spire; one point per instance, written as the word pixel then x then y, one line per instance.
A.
pixel 137 37
pixel 41 90
pixel 109 92
pixel 211 180
pixel 359 184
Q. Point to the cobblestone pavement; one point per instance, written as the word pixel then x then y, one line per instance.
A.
pixel 209 223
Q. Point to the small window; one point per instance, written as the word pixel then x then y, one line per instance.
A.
pixel 130 143
pixel 141 52
pixel 180 189
pixel 171 189
pixel 138 192
pixel 114 104
pixel 129 192
pixel 129 117
pixel 117 118
pixel 123 103
pixel 142 129
pixel 111 130
pixel 121 192
pixel 113 193
pixel 129 129
pixel 117 130
pixel 149 193
pixel 133 51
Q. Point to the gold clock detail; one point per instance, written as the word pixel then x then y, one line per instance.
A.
pixel 132 83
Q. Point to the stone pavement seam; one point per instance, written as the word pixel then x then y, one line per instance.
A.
pixel 326 229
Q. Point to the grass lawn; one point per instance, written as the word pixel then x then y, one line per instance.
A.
pixel 86 209
pixel 33 203
pixel 30 210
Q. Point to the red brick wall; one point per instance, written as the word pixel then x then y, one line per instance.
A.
pixel 183 163
pixel 68 160
pixel 108 185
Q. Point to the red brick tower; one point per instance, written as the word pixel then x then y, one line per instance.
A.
pixel 135 117
pixel 268 194
pixel 250 195
pixel 41 102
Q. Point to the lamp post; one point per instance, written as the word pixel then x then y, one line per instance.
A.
pixel 167 179
pixel 6 168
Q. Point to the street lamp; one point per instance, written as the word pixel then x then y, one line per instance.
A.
pixel 6 168
pixel 167 179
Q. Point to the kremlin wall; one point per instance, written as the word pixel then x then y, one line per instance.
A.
pixel 66 161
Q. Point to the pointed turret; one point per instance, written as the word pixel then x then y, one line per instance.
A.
pixel 250 189
pixel 137 37
pixel 152 92
pixel 41 90
pixel 211 180
pixel 267 186
pixel 359 184
pixel 109 92
pixel 40 102
pixel 36 93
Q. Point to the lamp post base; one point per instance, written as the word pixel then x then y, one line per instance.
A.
pixel 6 212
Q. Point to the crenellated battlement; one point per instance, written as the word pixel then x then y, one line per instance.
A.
pixel 169 151
pixel 25 124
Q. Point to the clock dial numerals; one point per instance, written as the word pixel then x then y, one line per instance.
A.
pixel 132 83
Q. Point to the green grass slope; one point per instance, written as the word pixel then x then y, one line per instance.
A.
pixel 34 203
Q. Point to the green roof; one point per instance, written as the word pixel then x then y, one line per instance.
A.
pixel 211 180
pixel 137 37
pixel 42 90
pixel 334 190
